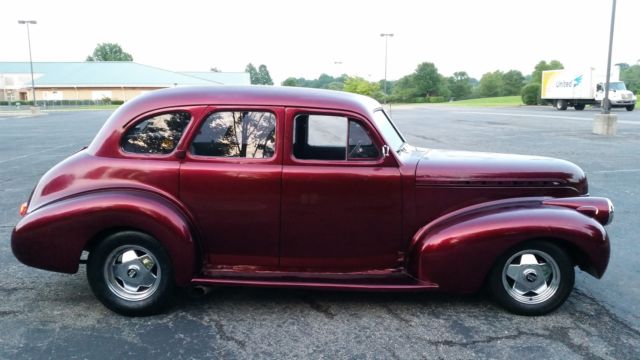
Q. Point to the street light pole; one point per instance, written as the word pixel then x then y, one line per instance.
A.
pixel 605 101
pixel 605 123
pixel 33 85
pixel 386 37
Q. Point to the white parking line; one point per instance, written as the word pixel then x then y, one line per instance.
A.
pixel 543 116
pixel 37 152
pixel 613 171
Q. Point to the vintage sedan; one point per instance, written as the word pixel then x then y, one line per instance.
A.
pixel 288 187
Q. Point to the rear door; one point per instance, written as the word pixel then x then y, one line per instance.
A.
pixel 230 180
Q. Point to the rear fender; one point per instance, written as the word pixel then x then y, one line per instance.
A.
pixel 458 250
pixel 54 236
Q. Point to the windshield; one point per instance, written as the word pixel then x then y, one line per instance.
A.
pixel 618 85
pixel 389 132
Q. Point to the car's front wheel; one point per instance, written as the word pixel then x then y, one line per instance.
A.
pixel 131 274
pixel 532 279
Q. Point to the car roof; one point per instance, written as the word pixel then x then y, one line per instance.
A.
pixel 250 95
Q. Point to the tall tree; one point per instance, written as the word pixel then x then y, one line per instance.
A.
pixel 426 79
pixel 536 76
pixel 264 76
pixel 491 84
pixel 253 74
pixel 631 77
pixel 512 82
pixel 259 76
pixel 109 52
pixel 460 85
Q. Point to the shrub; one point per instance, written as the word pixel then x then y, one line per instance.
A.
pixel 117 102
pixel 436 99
pixel 531 94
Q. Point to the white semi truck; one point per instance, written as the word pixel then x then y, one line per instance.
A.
pixel 564 88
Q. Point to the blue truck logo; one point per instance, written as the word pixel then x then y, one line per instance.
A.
pixel 577 81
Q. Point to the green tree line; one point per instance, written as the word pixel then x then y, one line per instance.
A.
pixel 426 84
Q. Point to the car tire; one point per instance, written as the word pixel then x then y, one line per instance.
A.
pixel 533 278
pixel 630 107
pixel 561 104
pixel 131 274
pixel 579 107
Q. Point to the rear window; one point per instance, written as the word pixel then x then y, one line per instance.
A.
pixel 244 134
pixel 158 134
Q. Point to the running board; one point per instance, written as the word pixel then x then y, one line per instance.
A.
pixel 397 282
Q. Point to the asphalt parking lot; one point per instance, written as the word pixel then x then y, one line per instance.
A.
pixel 50 315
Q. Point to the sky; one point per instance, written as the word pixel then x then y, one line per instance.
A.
pixel 307 38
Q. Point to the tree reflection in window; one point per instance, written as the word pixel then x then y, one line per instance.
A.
pixel 156 135
pixel 247 134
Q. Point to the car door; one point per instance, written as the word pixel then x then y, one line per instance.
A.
pixel 341 197
pixel 230 180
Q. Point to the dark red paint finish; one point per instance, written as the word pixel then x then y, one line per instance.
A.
pixel 417 219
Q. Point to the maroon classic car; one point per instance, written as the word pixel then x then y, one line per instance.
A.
pixel 288 187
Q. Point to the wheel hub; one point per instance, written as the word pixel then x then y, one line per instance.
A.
pixel 132 272
pixel 530 275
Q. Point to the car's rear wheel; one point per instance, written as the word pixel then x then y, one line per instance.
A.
pixel 579 107
pixel 131 274
pixel 532 279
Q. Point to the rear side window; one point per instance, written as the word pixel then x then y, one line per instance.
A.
pixel 159 134
pixel 244 134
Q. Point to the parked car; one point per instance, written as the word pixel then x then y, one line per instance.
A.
pixel 289 187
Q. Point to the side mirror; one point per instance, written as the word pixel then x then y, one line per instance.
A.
pixel 385 150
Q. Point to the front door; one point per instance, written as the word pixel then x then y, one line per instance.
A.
pixel 231 179
pixel 341 198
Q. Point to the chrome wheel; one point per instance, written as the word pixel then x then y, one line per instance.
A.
pixel 531 277
pixel 132 273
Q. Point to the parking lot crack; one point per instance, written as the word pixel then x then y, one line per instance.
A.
pixel 322 309
pixel 394 314
pixel 226 337
pixel 487 340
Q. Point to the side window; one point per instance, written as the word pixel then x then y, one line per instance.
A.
pixel 360 144
pixel 159 134
pixel 247 134
pixel 321 137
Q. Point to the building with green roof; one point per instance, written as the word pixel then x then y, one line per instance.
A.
pixel 115 80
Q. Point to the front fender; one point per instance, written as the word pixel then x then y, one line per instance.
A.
pixel 54 236
pixel 458 252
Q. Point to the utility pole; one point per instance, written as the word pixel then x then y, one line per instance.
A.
pixel 605 123
pixel 33 85
pixel 386 37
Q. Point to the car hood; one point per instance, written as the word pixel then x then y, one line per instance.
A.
pixel 471 169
